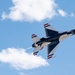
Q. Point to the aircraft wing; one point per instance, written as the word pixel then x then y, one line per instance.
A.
pixel 50 31
pixel 51 48
pixel 35 39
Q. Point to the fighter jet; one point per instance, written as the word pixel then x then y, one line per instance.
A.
pixel 52 39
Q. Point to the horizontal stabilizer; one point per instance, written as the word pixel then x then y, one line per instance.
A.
pixel 36 50
pixel 35 38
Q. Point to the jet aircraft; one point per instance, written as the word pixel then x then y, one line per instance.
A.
pixel 52 39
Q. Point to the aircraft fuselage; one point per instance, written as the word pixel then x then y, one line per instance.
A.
pixel 57 37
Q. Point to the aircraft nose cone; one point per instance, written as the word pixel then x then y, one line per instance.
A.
pixel 72 32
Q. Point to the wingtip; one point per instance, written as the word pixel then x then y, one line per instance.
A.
pixel 33 35
pixel 49 56
pixel 34 54
pixel 46 25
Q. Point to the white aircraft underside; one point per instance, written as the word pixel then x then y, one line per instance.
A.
pixel 64 37
pixel 52 43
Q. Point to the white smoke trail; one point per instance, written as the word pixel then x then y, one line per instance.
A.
pixel 28 48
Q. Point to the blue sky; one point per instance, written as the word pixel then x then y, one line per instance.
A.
pixel 19 19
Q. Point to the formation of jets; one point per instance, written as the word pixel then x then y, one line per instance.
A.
pixel 52 39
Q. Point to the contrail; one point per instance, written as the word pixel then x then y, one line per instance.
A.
pixel 28 48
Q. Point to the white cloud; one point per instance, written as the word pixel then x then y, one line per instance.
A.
pixel 62 13
pixel 4 16
pixel 30 10
pixel 23 73
pixel 72 15
pixel 19 59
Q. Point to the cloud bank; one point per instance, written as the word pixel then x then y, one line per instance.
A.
pixel 19 59
pixel 31 10
pixel 62 13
